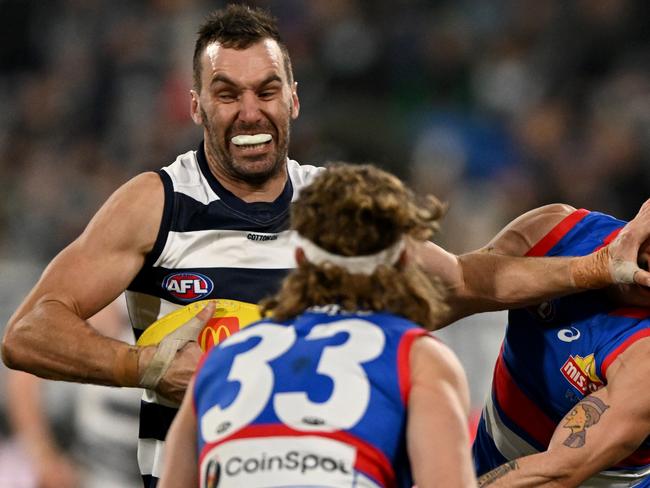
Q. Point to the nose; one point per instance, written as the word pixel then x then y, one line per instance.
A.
pixel 249 107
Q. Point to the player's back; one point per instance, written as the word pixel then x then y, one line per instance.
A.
pixel 320 401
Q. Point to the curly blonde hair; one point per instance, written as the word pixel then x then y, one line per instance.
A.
pixel 356 210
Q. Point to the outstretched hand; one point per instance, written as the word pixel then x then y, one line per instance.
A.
pixel 174 360
pixel 626 250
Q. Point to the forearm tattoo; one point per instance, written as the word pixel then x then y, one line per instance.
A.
pixel 497 473
pixel 584 415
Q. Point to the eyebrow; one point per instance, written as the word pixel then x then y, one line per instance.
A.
pixel 270 79
pixel 221 78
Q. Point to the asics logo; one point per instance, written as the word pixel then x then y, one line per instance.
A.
pixel 568 335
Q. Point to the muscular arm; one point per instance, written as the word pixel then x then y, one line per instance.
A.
pixel 437 434
pixel 182 465
pixel 48 334
pixel 619 420
pixel 499 277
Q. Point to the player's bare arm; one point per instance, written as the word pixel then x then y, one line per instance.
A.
pixel 496 474
pixel 48 335
pixel 437 436
pixel 499 277
pixel 600 431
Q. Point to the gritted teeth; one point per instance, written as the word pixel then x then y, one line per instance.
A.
pixel 249 140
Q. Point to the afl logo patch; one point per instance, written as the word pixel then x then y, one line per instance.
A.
pixel 188 286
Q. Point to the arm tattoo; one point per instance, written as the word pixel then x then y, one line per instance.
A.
pixel 497 473
pixel 584 415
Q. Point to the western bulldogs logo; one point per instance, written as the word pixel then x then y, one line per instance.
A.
pixel 188 286
pixel 581 373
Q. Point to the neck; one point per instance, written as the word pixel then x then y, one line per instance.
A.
pixel 248 191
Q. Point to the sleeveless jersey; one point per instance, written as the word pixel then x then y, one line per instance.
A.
pixel 320 401
pixel 554 355
pixel 210 244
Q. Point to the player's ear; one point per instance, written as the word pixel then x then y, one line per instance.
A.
pixel 404 258
pixel 295 101
pixel 409 254
pixel 195 108
pixel 300 256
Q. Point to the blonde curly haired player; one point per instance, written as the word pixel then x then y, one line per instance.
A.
pixel 393 407
pixel 355 216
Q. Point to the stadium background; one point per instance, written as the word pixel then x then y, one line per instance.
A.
pixel 495 106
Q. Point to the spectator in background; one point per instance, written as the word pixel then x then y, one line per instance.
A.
pixel 506 64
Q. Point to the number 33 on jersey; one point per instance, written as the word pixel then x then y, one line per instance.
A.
pixel 321 401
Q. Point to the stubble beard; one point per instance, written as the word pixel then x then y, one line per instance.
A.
pixel 239 171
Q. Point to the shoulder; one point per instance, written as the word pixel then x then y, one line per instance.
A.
pixel 149 182
pixel 628 351
pixel 302 175
pixel 132 214
pixel 550 214
pixel 432 360
pixel 525 231
pixel 185 172
pixel 143 189
pixel 435 369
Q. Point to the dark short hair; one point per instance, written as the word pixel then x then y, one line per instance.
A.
pixel 237 27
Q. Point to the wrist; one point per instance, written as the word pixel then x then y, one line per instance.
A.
pixel 155 361
pixel 127 366
pixel 591 271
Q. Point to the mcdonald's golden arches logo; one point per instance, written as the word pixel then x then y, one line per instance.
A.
pixel 216 330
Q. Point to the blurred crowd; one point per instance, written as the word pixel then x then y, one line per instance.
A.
pixel 510 103
pixel 495 106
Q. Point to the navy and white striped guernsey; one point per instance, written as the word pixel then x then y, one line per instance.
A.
pixel 210 244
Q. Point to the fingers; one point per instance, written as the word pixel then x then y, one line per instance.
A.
pixel 207 312
pixel 642 277
pixel 171 366
pixel 646 206
pixel 174 383
pixel 191 329
pixel 191 350
pixel 641 222
pixel 628 249
pixel 623 272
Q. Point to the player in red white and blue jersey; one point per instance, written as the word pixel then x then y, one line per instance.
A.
pixel 343 387
pixel 569 403
pixel 325 403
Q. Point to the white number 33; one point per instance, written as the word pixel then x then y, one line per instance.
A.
pixel 341 363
